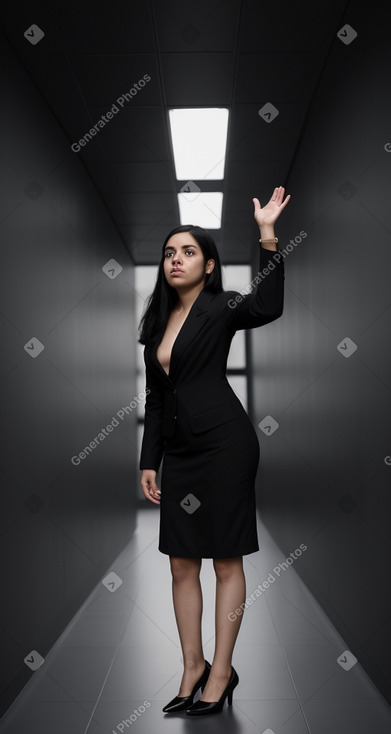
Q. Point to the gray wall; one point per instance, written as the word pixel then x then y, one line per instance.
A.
pixel 323 479
pixel 61 525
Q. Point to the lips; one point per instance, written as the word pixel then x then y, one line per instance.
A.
pixel 176 270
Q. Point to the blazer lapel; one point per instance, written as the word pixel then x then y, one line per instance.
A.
pixel 196 319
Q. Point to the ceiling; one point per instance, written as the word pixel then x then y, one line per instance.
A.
pixel 236 53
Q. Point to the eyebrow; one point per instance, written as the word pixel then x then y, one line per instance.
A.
pixel 183 247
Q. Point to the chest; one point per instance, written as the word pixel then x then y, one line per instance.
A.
pixel 174 325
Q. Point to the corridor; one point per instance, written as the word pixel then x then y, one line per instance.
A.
pixel 120 657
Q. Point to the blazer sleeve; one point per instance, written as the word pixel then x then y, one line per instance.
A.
pixel 266 301
pixel 153 439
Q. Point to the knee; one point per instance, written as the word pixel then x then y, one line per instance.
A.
pixel 183 569
pixel 227 568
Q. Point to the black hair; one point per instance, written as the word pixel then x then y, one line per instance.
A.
pixel 164 296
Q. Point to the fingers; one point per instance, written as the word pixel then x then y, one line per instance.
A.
pixel 152 496
pixel 154 500
pixel 278 194
pixel 277 197
pixel 280 197
pixel 151 491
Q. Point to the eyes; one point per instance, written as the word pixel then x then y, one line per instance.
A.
pixel 166 254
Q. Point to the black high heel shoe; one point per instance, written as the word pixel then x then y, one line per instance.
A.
pixel 213 707
pixel 181 703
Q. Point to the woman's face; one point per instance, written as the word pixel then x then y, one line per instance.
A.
pixel 184 265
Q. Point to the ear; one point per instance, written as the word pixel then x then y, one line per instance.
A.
pixel 210 266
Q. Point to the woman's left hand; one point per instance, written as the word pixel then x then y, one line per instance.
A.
pixel 272 210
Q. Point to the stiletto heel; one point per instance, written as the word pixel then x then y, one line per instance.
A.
pixel 213 707
pixel 181 703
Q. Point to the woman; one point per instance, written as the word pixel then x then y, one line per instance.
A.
pixel 211 451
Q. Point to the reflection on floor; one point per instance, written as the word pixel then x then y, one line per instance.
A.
pixel 119 661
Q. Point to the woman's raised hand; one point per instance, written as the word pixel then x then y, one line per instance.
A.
pixel 149 486
pixel 269 213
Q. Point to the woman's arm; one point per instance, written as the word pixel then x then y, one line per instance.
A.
pixel 153 439
pixel 266 301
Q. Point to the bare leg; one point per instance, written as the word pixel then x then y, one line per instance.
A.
pixel 187 598
pixel 230 594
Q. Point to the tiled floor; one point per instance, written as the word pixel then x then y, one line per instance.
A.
pixel 120 658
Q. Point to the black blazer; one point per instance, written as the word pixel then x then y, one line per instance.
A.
pixel 196 384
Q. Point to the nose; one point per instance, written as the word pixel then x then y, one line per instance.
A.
pixel 176 258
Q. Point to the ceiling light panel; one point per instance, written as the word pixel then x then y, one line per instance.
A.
pixel 203 209
pixel 199 141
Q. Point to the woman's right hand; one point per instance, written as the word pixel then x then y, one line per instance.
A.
pixel 149 486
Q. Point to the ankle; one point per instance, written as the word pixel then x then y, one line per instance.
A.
pixel 221 671
pixel 189 665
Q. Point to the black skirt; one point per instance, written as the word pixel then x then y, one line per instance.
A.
pixel 207 506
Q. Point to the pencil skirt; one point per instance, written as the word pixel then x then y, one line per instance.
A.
pixel 207 506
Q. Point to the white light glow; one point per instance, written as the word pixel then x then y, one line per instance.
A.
pixel 203 210
pixel 199 141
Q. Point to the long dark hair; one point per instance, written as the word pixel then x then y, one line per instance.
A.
pixel 164 296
